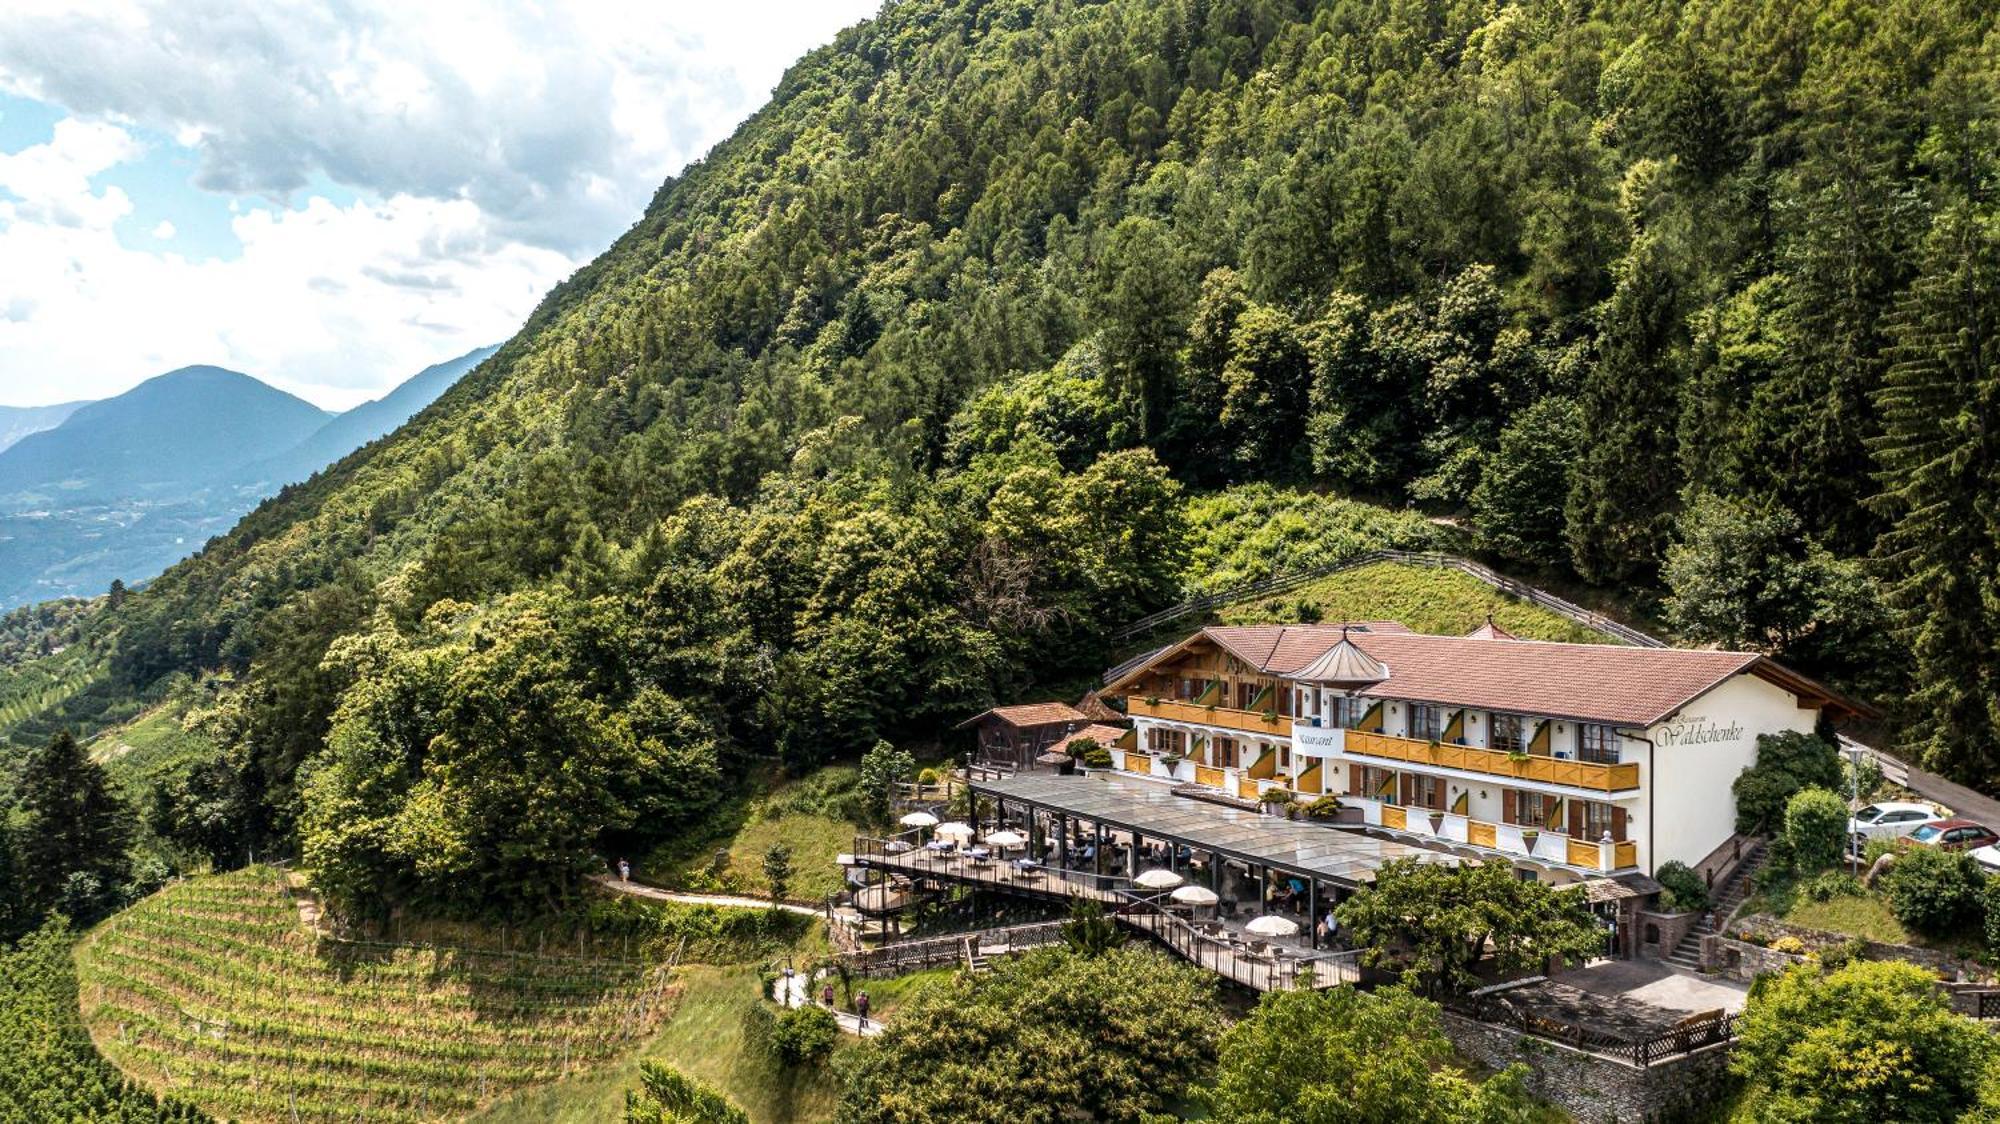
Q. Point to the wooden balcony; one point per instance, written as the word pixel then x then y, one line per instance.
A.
pixel 1546 770
pixel 1245 721
pixel 1512 840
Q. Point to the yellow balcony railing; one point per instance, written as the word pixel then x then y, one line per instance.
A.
pixel 1248 721
pixel 1625 854
pixel 1481 834
pixel 1210 776
pixel 1528 767
pixel 1309 779
pixel 1393 816
pixel 1246 788
pixel 1582 852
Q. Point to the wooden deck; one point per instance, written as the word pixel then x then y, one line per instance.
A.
pixel 1233 956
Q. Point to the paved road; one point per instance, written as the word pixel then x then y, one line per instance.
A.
pixel 1961 800
pixel 726 901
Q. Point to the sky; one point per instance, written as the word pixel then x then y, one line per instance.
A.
pixel 334 194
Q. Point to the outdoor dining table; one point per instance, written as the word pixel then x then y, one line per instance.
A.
pixel 938 845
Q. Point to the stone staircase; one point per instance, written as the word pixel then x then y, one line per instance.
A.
pixel 1722 903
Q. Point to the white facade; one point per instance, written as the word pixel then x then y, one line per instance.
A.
pixel 1677 804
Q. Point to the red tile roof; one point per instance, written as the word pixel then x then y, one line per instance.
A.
pixel 1097 731
pixel 1587 682
pixel 1031 714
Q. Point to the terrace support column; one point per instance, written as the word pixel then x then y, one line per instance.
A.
pixel 1062 839
pixel 1097 848
pixel 1215 872
pixel 1132 857
pixel 1312 909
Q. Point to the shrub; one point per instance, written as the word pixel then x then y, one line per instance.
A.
pixel 1789 944
pixel 1277 795
pixel 1990 901
pixel 1097 757
pixel 804 1035
pixel 1869 1042
pixel 1934 892
pixel 1324 808
pixel 1084 747
pixel 1816 828
pixel 928 778
pixel 1786 763
pixel 1684 889
pixel 1830 884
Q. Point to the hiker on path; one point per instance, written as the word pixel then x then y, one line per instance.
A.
pixel 826 996
pixel 861 1007
pixel 624 870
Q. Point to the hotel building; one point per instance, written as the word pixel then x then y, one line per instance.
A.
pixel 1571 760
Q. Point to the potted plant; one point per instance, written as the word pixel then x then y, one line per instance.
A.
pixel 1528 837
pixel 1275 797
pixel 1432 749
pixel 1437 823
pixel 1328 808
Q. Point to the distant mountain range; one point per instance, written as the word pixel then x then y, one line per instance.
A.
pixel 17 422
pixel 125 487
pixel 367 422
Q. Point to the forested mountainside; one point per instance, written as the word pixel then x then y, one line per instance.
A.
pixel 888 407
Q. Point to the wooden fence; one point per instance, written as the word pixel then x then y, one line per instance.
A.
pixel 1693 1033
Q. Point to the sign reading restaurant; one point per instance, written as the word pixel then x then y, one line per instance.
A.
pixel 1699 731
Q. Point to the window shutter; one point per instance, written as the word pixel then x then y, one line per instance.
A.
pixel 1577 819
pixel 1617 824
pixel 1354 785
pixel 1408 789
pixel 1507 806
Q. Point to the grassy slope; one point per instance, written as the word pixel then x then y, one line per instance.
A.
pixel 810 816
pixel 705 1038
pixel 149 746
pixel 1440 601
pixel 211 989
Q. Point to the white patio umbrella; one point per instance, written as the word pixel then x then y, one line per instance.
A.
pixel 1271 925
pixel 1159 878
pixel 1006 839
pixel 1194 895
pixel 955 830
pixel 920 819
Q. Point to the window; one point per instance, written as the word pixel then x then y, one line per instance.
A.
pixel 1373 782
pixel 1505 734
pixel 1426 722
pixel 1532 809
pixel 1427 792
pixel 1599 820
pixel 1598 743
pixel 1348 711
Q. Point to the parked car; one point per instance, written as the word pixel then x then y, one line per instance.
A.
pixel 1988 858
pixel 1954 835
pixel 1891 819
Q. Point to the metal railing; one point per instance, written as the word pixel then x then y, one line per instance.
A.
pixel 1285 583
pixel 1267 968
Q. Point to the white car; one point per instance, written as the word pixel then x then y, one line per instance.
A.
pixel 1988 858
pixel 1891 819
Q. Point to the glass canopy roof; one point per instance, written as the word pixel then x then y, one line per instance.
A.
pixel 1299 847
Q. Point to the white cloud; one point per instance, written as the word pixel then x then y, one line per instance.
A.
pixel 557 120
pixel 493 149
pixel 52 179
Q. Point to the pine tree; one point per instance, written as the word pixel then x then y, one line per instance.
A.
pixel 1940 459
pixel 1623 483
pixel 71 822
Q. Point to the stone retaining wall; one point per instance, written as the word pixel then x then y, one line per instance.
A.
pixel 1593 1088
pixel 1766 928
pixel 1741 960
